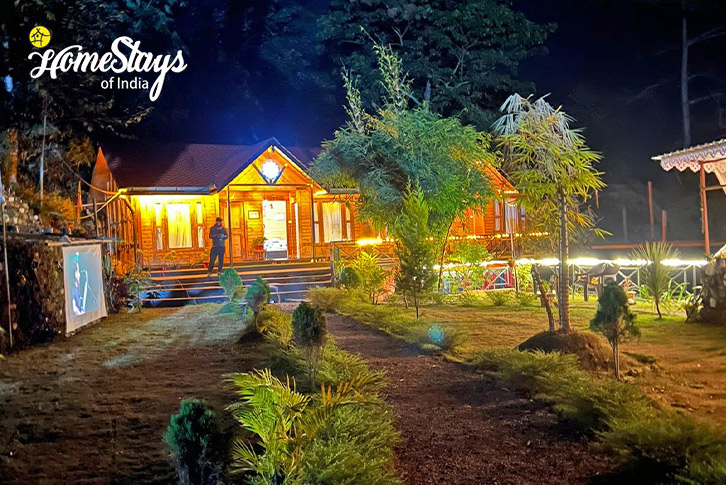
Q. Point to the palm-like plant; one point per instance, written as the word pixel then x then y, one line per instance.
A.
pixel 654 275
pixel 284 420
pixel 553 169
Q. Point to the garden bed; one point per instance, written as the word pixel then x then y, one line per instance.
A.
pixel 460 427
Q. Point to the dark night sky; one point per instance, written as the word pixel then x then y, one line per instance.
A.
pixel 603 53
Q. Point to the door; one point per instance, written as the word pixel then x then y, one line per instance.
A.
pixel 236 247
pixel 274 228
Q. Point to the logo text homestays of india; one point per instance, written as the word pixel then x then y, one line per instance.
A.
pixel 125 57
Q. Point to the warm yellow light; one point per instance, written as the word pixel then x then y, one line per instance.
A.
pixel 146 200
pixel 369 241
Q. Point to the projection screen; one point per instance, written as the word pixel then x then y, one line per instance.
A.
pixel 83 277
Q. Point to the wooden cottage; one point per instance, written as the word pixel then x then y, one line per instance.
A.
pixel 166 198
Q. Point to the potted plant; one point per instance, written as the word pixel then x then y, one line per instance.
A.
pixel 258 246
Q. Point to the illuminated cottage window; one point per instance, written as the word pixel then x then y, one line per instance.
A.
pixel 332 222
pixel 159 226
pixel 200 226
pixel 179 226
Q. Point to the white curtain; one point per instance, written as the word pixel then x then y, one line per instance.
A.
pixel 511 217
pixel 332 223
pixel 179 225
pixel 159 227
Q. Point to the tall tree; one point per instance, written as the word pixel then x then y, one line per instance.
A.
pixel 553 169
pixel 393 148
pixel 700 22
pixel 462 55
pixel 63 113
pixel 415 249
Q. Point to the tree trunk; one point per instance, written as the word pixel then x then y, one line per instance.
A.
pixel 564 283
pixel 443 255
pixel 616 359
pixel 537 280
pixel 657 307
pixel 14 155
pixel 685 98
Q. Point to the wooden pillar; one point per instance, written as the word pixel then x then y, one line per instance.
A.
pixel 650 210
pixel 312 218
pixel 229 229
pixel 704 211
pixel 663 225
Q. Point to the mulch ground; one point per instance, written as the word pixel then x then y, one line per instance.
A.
pixel 92 408
pixel 461 427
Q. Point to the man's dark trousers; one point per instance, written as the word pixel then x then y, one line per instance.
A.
pixel 216 252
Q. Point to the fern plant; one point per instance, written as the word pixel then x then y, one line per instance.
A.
pixel 284 421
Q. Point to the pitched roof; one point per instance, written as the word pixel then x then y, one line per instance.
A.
pixel 201 166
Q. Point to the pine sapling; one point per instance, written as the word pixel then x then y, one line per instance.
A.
pixel 614 319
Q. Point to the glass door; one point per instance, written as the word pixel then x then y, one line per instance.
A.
pixel 274 227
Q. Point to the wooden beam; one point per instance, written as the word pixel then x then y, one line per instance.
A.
pixel 650 210
pixel 704 211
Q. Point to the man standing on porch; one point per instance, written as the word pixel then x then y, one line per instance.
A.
pixel 218 234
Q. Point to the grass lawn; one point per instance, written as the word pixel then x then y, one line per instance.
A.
pixel 689 369
pixel 92 408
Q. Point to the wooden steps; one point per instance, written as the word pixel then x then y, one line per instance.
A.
pixel 290 281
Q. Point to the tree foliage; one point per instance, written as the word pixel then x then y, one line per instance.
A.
pixel 308 333
pixel 75 105
pixel 614 319
pixel 371 277
pixel 554 171
pixel 462 55
pixel 195 440
pixel 258 295
pixel 415 249
pixel 393 148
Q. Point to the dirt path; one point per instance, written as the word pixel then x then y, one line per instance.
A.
pixel 92 408
pixel 459 427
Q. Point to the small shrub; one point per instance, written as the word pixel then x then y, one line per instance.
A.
pixel 337 366
pixel 673 449
pixel 329 299
pixel 525 282
pixel 231 283
pixel 525 298
pixel 614 319
pixel 308 333
pixel 372 276
pixel 447 339
pixel 196 444
pixel 348 278
pixel 355 446
pixel 521 370
pixel 591 405
pixel 473 298
pixel 276 326
pixel 499 297
pixel 257 296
